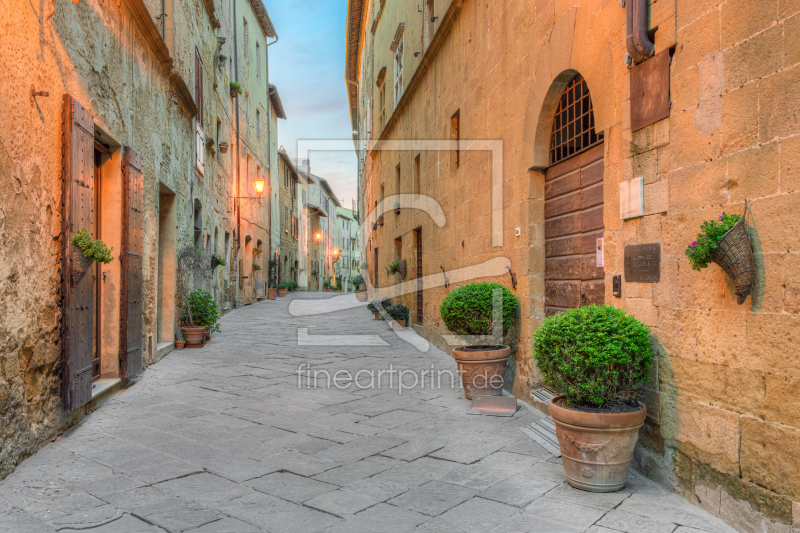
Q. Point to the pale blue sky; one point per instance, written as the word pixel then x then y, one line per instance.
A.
pixel 307 66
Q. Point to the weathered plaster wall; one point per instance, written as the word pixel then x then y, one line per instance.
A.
pixel 95 51
pixel 723 398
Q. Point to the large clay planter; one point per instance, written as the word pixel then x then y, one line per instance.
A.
pixel 378 316
pixel 194 335
pixel 272 293
pixel 281 292
pixel 596 447
pixel 361 295
pixel 482 370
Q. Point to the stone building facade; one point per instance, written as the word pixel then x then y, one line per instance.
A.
pixel 699 124
pixel 127 128
pixel 288 259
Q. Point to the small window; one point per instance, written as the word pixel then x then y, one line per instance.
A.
pixel 455 126
pixel 382 99
pixel 573 125
pixel 429 20
pixel 258 123
pixel 258 60
pixel 416 175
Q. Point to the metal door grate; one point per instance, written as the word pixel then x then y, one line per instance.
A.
pixel 573 126
pixel 419 276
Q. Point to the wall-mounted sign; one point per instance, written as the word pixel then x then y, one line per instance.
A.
pixel 631 198
pixel 643 263
pixel 600 262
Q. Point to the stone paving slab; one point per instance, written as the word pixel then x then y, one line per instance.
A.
pixel 223 440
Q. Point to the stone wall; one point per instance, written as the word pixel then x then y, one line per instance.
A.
pixel 722 401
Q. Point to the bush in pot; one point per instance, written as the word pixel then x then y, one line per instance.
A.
pixel 282 288
pixel 468 312
pixel 595 357
pixel 200 315
pixel 378 306
pixel 399 314
pixel 358 283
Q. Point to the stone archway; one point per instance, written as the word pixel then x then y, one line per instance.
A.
pixel 577 43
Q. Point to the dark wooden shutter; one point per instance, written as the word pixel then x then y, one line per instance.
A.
pixel 130 331
pixel 77 299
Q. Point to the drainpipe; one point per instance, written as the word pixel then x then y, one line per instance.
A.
pixel 637 41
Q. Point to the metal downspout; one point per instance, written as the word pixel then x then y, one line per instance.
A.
pixel 238 152
pixel 637 41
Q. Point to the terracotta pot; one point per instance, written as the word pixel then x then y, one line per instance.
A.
pixel 194 335
pixel 272 293
pixel 395 325
pixel 596 447
pixel 482 370
pixel 208 333
pixel 179 345
pixel 281 292
pixel 361 296
pixel 378 316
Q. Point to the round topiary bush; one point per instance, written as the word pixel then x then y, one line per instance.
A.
pixel 468 309
pixel 591 354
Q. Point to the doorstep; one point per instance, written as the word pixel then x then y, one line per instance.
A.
pixel 101 386
pixel 163 348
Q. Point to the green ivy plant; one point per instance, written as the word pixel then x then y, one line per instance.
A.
pixel 711 232
pixel 236 87
pixel 468 310
pixel 220 260
pixel 592 354
pixel 393 267
pixel 95 250
pixel 202 310
pixel 256 267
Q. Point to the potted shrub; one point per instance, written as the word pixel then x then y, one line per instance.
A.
pixel 378 306
pixel 223 147
pixel 595 357
pixel 399 314
pixel 84 252
pixel 272 280
pixel 282 288
pixel 200 316
pixel 236 89
pixel 467 311
pixel 326 285
pixel 358 282
pixel 396 208
pixel 726 243
pixel 179 342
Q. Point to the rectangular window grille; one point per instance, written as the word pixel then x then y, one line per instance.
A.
pixel 573 126
pixel 398 72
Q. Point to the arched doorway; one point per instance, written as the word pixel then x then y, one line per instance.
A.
pixel 573 206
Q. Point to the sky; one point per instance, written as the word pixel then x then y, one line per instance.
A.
pixel 307 67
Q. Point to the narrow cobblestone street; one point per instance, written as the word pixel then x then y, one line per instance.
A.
pixel 222 440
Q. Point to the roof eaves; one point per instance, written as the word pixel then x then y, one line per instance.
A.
pixel 276 102
pixel 263 18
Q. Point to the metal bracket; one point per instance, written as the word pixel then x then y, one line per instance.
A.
pixel 445 277
pixel 513 278
pixel 35 93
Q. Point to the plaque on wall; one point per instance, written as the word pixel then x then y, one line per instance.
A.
pixel 643 263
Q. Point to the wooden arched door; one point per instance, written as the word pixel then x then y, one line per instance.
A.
pixel 573 206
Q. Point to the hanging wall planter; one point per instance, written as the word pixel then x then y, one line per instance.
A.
pixel 84 252
pixel 223 148
pixel 80 265
pixel 726 243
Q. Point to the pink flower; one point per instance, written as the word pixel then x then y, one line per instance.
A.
pixel 694 243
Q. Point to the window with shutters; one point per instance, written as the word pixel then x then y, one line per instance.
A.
pixel 200 138
pixel 398 72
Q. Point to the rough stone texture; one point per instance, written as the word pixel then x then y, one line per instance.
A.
pixel 91 476
pixel 98 53
pixel 732 136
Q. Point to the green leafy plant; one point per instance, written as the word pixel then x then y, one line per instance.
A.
pixel 326 284
pixel 272 278
pixel 592 354
pixel 220 260
pixel 222 58
pixel 385 302
pixel 315 272
pixel 363 265
pixel 202 310
pixel 256 267
pixel 95 250
pixel 711 232
pixel 236 87
pixel 393 267
pixel 283 285
pixel 468 309
pixel 256 250
pixel 293 285
pixel 398 312
pixel 358 280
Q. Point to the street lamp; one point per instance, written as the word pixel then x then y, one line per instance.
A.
pixel 318 236
pixel 258 184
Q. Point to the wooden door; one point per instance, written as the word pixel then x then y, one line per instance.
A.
pixel 130 329
pixel 573 211
pixel 77 296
